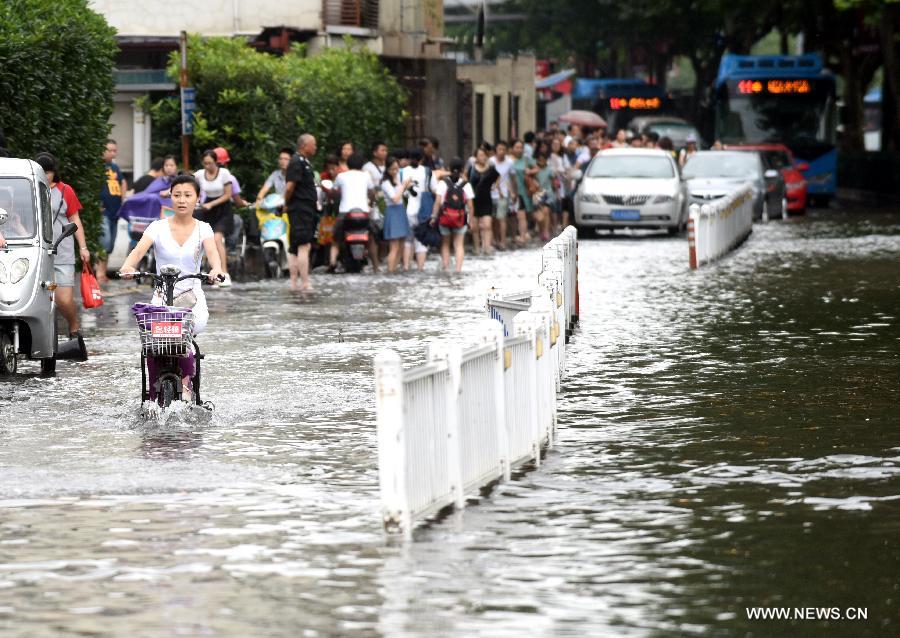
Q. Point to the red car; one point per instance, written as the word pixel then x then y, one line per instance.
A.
pixel 779 156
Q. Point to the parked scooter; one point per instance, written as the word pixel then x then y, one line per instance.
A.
pixel 273 234
pixel 27 309
pixel 166 340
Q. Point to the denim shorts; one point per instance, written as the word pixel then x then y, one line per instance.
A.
pixel 64 275
pixel 446 232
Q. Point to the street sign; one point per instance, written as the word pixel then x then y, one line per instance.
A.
pixel 188 106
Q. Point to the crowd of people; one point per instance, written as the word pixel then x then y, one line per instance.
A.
pixel 504 195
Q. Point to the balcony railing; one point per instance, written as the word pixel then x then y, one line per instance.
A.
pixel 350 13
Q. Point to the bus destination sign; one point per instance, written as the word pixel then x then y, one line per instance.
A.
pixel 635 103
pixel 774 87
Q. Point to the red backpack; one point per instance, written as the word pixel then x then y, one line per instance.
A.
pixel 453 208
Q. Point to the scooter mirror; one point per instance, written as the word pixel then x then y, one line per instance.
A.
pixel 3 216
pixel 67 231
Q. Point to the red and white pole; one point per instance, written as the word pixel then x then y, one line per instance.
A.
pixel 692 241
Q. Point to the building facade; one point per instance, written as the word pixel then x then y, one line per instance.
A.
pixel 504 98
pixel 407 34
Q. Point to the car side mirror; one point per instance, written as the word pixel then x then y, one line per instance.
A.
pixel 771 174
pixel 67 231
pixel 802 166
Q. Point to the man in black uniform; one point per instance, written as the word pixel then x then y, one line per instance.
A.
pixel 301 198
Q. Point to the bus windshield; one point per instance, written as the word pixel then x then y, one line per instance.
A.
pixel 794 118
pixel 18 205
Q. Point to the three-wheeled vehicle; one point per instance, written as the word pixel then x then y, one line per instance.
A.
pixel 27 310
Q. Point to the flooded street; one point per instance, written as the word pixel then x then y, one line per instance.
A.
pixel 729 438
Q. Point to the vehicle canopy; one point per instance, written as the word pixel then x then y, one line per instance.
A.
pixel 19 196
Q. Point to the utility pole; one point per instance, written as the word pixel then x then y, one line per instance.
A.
pixel 187 107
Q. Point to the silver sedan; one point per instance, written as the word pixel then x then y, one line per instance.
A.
pixel 631 188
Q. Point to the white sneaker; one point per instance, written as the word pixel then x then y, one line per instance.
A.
pixel 226 283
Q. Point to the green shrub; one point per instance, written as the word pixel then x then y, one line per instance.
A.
pixel 56 91
pixel 253 103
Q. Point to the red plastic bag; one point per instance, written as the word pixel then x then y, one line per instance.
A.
pixel 91 295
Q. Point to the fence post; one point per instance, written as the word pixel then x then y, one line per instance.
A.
pixel 692 235
pixel 392 450
pixel 525 326
pixel 541 308
pixel 452 354
pixel 493 334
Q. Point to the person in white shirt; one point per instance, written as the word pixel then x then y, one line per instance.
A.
pixel 215 184
pixel 418 206
pixel 375 166
pixel 457 232
pixel 356 190
pixel 505 192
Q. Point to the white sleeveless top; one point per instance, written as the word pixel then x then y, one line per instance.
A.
pixel 188 258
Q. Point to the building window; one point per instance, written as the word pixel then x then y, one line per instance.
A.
pixel 498 104
pixel 514 131
pixel 350 13
pixel 479 118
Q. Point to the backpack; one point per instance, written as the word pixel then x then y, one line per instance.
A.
pixel 453 208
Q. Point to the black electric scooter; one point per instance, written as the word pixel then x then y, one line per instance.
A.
pixel 166 337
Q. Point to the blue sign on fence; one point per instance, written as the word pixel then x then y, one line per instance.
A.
pixel 188 105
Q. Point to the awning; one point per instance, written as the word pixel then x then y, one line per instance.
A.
pixel 552 80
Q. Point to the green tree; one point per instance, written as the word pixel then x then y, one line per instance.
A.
pixel 56 90
pixel 252 103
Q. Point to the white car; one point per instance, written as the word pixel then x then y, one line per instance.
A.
pixel 631 188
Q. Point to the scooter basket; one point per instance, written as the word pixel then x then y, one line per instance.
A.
pixel 165 330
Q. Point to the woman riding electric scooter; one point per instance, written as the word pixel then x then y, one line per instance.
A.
pixel 178 242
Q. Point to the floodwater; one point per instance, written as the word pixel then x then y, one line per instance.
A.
pixel 729 438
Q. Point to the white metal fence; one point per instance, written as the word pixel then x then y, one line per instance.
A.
pixel 468 416
pixel 716 228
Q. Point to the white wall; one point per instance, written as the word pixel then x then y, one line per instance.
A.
pixel 209 17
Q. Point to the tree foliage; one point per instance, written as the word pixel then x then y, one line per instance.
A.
pixel 56 90
pixel 253 103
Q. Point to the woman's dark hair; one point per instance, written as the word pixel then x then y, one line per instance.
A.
pixel 355 162
pixel 416 155
pixel 400 154
pixel 529 137
pixel 170 157
pixel 540 155
pixel 48 162
pixel 456 166
pixel 186 178
pixel 665 143
pixel 209 153
pixel 286 149
pixel 331 159
pixel 390 161
pixel 341 146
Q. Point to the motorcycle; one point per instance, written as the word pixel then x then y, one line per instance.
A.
pixel 167 341
pixel 273 234
pixel 356 240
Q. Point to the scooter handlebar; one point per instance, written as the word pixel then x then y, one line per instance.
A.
pixel 202 276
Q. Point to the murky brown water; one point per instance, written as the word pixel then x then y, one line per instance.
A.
pixel 729 438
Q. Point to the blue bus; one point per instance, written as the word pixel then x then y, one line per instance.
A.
pixel 619 100
pixel 781 99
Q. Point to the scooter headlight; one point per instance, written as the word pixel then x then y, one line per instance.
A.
pixel 4 278
pixel 18 270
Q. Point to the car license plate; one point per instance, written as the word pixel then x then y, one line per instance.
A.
pixel 626 214
pixel 166 329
